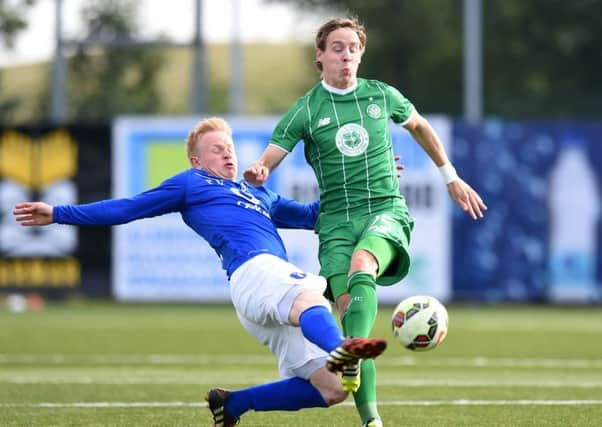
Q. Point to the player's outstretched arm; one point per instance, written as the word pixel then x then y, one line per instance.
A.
pixel 462 193
pixel 33 213
pixel 257 174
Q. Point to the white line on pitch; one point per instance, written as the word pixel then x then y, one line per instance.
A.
pixel 234 359
pixel 203 380
pixel 462 402
pixel 465 402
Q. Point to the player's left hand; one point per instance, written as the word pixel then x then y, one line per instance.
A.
pixel 467 198
pixel 399 166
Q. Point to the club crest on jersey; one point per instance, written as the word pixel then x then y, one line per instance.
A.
pixel 352 139
pixel 373 111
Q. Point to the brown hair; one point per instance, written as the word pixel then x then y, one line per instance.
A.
pixel 204 126
pixel 335 24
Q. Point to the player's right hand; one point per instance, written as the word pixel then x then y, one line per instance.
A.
pixel 33 213
pixel 256 174
pixel 467 198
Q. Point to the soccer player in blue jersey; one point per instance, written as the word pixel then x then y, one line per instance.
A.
pixel 276 302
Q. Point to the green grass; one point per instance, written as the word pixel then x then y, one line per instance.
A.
pixel 106 364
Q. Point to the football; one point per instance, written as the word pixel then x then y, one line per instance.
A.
pixel 420 323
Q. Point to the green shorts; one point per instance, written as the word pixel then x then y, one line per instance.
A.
pixel 338 242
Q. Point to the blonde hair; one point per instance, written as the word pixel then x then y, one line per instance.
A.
pixel 335 24
pixel 204 126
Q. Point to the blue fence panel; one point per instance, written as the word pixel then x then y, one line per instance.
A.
pixel 515 254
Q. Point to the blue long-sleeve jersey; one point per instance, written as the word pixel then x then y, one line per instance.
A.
pixel 238 220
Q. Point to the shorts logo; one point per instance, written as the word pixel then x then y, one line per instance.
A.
pixel 297 275
pixel 373 111
pixel 382 224
pixel 352 140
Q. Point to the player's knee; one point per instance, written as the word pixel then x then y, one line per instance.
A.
pixel 309 298
pixel 363 261
pixel 333 393
pixel 303 301
pixel 337 396
pixel 329 386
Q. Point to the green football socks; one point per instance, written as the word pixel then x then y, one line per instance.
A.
pixel 360 316
pixel 358 322
pixel 363 306
pixel 366 410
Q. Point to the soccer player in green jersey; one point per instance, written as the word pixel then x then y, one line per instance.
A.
pixel 364 226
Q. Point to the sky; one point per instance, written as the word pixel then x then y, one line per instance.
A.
pixel 259 22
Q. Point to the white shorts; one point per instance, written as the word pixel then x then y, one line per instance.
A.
pixel 263 290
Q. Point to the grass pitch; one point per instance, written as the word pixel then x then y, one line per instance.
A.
pixel 107 364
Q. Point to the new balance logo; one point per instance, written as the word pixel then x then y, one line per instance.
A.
pixel 323 121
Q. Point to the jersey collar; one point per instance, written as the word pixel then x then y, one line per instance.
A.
pixel 337 90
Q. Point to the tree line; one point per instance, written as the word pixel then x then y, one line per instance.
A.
pixel 541 58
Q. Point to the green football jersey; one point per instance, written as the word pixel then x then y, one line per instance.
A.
pixel 348 145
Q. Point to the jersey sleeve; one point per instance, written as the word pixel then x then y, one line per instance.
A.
pixel 291 128
pixel 165 198
pixel 400 107
pixel 287 213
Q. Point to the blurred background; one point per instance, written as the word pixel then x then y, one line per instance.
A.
pixel 97 96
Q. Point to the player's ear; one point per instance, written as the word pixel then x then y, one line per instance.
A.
pixel 194 161
pixel 317 61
